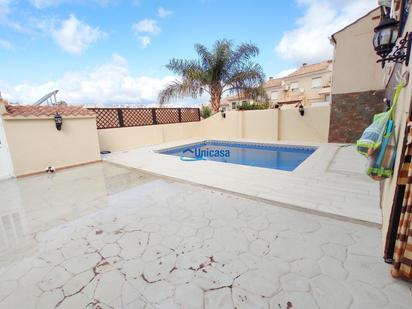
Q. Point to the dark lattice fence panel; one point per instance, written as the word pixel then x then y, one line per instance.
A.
pixel 167 115
pixel 107 118
pixel 190 114
pixel 134 117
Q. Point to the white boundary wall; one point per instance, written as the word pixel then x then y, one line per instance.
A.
pixel 6 167
pixel 265 125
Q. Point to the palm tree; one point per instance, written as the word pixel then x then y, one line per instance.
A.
pixel 225 68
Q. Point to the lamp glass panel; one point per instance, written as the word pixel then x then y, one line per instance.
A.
pixel 385 36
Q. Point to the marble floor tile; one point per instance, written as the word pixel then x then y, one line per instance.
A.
pixel 137 241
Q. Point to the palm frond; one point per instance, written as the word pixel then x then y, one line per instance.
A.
pixel 181 66
pixel 245 52
pixel 222 54
pixel 179 90
pixel 247 75
pixel 206 57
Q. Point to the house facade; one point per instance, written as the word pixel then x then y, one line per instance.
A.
pixel 358 81
pixel 308 85
pixel 232 102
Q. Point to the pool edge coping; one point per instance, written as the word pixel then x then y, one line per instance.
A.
pixel 255 198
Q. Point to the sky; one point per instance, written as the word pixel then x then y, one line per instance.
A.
pixel 114 52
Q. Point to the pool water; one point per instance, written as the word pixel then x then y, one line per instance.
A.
pixel 279 157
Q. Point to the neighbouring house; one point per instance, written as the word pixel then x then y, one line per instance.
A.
pixel 358 81
pixel 30 141
pixel 224 104
pixel 232 102
pixel 308 85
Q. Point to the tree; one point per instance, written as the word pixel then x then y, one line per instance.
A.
pixel 225 68
pixel 205 111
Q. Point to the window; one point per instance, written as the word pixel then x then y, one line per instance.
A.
pixel 233 105
pixel 294 86
pixel 274 95
pixel 317 82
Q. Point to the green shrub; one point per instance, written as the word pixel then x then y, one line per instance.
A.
pixel 205 111
pixel 246 106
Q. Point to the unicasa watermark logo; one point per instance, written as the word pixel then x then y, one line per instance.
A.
pixel 198 154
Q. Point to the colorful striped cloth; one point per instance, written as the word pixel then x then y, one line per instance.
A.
pixel 382 162
pixel 402 266
pixel 372 137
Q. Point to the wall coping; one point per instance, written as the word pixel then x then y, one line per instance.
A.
pixel 6 117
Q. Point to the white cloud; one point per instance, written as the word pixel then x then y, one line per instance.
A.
pixel 145 41
pixel 5 44
pixel 109 84
pixel 145 30
pixel 284 73
pixel 74 36
pixel 162 12
pixel 149 26
pixel 119 60
pixel 309 42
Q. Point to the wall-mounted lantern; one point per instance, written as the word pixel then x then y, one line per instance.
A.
pixel 301 110
pixel 58 120
pixel 223 113
pixel 384 40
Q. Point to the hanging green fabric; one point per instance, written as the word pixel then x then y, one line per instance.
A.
pixel 382 160
pixel 373 135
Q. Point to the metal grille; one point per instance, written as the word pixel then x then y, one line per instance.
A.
pixel 107 118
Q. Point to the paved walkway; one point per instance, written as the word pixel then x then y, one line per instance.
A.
pixel 102 236
pixel 330 182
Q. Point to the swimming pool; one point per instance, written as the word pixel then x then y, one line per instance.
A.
pixel 279 157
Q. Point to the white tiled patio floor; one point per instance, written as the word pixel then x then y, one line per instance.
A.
pixel 102 236
pixel 331 182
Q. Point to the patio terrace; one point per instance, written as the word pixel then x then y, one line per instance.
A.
pixel 104 236
pixel 330 182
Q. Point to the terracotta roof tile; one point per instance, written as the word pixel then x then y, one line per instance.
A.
pixel 311 68
pixel 40 110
